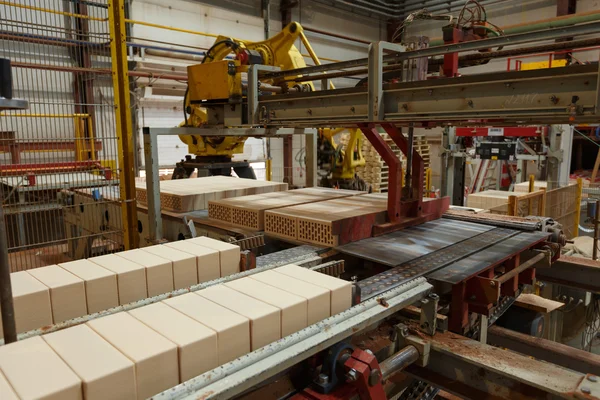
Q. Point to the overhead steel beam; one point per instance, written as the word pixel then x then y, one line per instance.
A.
pixel 577 272
pixel 547 34
pixel 516 98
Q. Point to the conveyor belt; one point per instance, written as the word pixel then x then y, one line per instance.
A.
pixel 407 244
pixel 430 262
pixel 482 260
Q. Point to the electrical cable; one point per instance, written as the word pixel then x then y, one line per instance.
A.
pixel 592 324
pixel 586 136
pixel 187 90
pixel 234 46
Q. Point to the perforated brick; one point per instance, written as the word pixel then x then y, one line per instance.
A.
pixel 247 218
pixel 281 224
pixel 316 232
pixel 219 212
pixel 140 195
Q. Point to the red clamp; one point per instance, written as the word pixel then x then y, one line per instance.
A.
pixel 363 377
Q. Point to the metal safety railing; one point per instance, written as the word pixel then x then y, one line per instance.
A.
pixel 64 163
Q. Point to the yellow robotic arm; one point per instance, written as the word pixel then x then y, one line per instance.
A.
pixel 277 51
pixel 341 163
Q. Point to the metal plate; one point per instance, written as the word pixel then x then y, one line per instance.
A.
pixel 407 244
pixel 288 256
pixel 430 262
pixel 505 221
pixel 480 261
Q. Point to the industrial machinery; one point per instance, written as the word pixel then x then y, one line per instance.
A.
pixel 215 95
pixel 339 165
pixel 512 147
pixel 427 290
pixel 219 81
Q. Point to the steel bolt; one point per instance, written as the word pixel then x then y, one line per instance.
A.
pixel 492 284
pixel 403 331
pixel 586 390
pixel 323 379
pixel 344 357
pixel 352 375
pixel 433 296
pixel 374 377
pixel 592 378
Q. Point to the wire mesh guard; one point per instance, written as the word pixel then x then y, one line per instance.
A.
pixel 58 159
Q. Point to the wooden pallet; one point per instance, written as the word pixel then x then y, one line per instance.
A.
pixel 376 172
pixel 248 211
pixel 183 195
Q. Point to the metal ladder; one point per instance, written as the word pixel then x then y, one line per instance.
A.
pixel 485 177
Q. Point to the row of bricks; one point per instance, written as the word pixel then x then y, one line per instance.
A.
pixel 57 293
pixel 136 354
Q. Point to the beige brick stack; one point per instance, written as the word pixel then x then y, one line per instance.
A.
pixel 183 195
pixel 375 172
pixel 56 293
pixel 136 354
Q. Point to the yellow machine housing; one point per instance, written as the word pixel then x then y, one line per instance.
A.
pixel 215 96
pixel 215 79
pixel 344 162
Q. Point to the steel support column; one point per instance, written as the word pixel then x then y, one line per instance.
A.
pixel 118 52
pixel 395 170
pixel 417 165
pixel 9 327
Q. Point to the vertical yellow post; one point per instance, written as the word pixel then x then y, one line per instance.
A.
pixel 78 137
pixel 531 189
pixel 578 207
pixel 512 206
pixel 428 181
pixel 92 138
pixel 269 169
pixel 118 53
pixel 531 183
pixel 542 203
